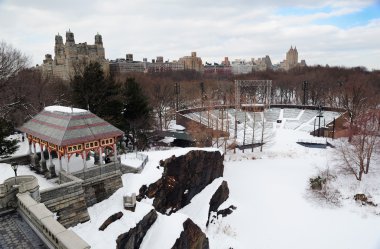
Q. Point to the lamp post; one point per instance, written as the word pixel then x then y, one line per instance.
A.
pixel 14 167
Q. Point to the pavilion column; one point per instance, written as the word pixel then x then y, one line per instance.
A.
pixel 115 151
pixel 60 163
pixel 51 166
pixel 42 161
pixel 30 147
pixel 35 161
pixel 84 160
pixel 101 155
pixel 67 165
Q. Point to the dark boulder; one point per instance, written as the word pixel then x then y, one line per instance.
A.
pixel 220 196
pixel 133 238
pixel 191 237
pixel 226 211
pixel 183 178
pixel 111 219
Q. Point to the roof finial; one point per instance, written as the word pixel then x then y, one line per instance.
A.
pixel 72 110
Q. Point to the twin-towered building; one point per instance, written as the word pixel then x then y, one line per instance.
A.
pixel 291 60
pixel 70 58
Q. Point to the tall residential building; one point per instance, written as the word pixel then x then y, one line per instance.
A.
pixel 69 56
pixel 291 60
pixel 192 62
pixel 262 64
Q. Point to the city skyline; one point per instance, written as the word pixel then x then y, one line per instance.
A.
pixel 338 33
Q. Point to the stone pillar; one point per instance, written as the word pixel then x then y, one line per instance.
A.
pixel 43 168
pixel 115 152
pixel 51 166
pixel 67 166
pixel 35 161
pixel 101 155
pixel 84 160
pixel 30 148
pixel 60 162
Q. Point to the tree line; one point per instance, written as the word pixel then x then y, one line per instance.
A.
pixel 137 102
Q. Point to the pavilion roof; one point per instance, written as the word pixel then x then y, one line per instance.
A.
pixel 63 126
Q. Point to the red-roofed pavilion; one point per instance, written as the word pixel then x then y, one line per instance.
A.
pixel 69 131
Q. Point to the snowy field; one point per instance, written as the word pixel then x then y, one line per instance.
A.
pixel 275 208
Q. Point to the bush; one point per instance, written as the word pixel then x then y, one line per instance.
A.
pixel 317 183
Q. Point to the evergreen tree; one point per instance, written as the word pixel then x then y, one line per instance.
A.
pixel 137 112
pixel 7 146
pixel 98 94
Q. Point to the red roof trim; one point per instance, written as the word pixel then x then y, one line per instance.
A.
pixel 91 138
pixel 73 140
pixel 77 127
pixel 58 127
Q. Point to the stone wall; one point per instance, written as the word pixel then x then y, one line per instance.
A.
pixel 20 159
pixel 100 170
pixel 25 183
pixel 68 202
pixel 100 188
pixel 81 190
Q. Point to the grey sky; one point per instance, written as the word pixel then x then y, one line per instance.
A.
pixel 328 32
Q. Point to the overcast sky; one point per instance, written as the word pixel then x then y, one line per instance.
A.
pixel 334 32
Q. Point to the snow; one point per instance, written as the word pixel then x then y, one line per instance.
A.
pixel 174 126
pixel 6 172
pixel 275 208
pixel 167 140
pixel 131 160
pixel 272 211
pixel 64 109
pixel 131 184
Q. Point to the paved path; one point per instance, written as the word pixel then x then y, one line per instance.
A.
pixel 16 233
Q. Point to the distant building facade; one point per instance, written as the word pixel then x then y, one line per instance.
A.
pixel 157 65
pixel 69 56
pixel 240 66
pixel 291 60
pixel 192 62
pixel 128 65
pixel 223 69
pixel 262 64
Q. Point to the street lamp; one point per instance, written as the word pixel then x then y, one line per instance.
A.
pixel 14 167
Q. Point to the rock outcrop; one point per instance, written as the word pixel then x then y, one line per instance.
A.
pixel 191 237
pixel 226 211
pixel 220 196
pixel 133 238
pixel 183 178
pixel 110 219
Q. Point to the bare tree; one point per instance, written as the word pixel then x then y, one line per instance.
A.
pixel 162 99
pixel 12 61
pixel 354 100
pixel 357 153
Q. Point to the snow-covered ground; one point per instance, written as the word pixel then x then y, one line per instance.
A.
pixel 275 207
